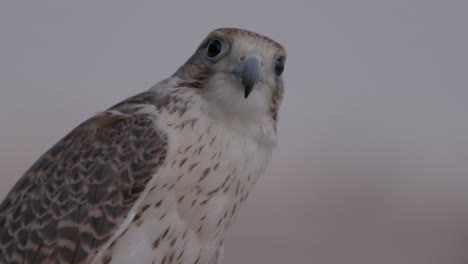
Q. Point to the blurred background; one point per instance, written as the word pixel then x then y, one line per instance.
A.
pixel 372 161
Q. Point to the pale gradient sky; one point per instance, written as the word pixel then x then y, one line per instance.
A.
pixel 372 161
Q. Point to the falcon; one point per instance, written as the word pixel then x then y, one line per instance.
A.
pixel 159 177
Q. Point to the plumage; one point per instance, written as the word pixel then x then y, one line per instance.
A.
pixel 159 177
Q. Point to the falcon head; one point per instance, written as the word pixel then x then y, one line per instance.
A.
pixel 238 72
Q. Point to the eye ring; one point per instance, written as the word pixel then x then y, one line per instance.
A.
pixel 214 48
pixel 279 66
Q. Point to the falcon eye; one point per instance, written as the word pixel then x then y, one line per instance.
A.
pixel 214 48
pixel 279 66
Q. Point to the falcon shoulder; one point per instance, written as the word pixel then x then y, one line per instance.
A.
pixel 77 195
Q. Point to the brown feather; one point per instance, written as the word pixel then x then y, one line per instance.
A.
pixel 73 199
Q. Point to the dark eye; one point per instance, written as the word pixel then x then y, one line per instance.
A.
pixel 279 66
pixel 214 48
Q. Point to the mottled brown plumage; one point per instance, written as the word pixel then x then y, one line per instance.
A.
pixel 75 196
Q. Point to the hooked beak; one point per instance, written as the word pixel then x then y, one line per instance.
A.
pixel 250 71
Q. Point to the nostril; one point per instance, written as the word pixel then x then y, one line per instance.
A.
pixel 261 63
pixel 242 58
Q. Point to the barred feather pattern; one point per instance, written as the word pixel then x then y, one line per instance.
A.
pixel 73 199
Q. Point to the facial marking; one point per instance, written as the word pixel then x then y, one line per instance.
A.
pixel 234 65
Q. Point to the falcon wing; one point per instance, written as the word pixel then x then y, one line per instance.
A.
pixel 75 197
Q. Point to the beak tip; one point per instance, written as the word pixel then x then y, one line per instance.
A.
pixel 247 90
